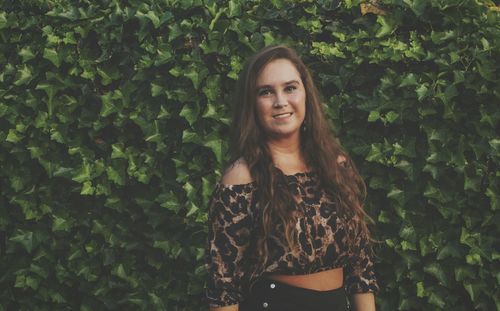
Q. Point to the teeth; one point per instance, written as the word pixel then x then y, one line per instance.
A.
pixel 284 115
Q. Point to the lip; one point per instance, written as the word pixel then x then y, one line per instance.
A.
pixel 283 115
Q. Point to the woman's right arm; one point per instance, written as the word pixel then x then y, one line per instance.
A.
pixel 230 223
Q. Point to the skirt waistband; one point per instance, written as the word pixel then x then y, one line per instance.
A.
pixel 267 281
pixel 267 294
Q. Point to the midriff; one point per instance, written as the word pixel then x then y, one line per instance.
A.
pixel 320 281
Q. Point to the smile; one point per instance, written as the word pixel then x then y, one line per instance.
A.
pixel 283 115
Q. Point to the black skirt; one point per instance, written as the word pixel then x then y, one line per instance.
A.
pixel 271 295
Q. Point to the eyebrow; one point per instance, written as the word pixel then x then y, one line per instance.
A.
pixel 269 86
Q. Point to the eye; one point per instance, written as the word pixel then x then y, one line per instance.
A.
pixel 290 88
pixel 264 92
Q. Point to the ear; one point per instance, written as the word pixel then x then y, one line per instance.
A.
pixel 342 160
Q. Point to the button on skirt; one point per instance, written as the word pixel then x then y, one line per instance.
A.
pixel 270 295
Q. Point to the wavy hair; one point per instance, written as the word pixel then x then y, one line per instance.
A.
pixel 320 148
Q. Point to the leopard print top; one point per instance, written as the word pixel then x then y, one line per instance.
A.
pixel 321 235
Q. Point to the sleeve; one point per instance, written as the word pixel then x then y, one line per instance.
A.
pixel 360 273
pixel 230 222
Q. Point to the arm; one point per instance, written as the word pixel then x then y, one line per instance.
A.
pixel 227 308
pixel 360 282
pixel 363 302
pixel 230 223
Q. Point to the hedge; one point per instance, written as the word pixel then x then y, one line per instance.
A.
pixel 113 131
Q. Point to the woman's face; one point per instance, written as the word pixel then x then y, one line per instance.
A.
pixel 280 99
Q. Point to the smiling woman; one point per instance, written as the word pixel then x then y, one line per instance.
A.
pixel 281 99
pixel 286 222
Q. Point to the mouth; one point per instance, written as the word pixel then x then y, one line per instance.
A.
pixel 282 115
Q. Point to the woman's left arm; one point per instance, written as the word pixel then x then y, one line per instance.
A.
pixel 359 275
pixel 363 302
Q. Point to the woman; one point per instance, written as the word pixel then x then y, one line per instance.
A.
pixel 286 223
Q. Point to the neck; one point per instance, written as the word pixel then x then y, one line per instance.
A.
pixel 287 155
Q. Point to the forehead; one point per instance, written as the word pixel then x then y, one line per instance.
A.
pixel 277 72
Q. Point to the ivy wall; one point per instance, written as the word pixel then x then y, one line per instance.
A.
pixel 114 124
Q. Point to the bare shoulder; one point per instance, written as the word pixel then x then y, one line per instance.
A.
pixel 237 173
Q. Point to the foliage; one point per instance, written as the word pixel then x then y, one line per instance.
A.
pixel 113 127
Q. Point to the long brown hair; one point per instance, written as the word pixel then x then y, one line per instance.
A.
pixel 319 146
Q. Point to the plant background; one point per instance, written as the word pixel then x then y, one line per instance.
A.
pixel 114 124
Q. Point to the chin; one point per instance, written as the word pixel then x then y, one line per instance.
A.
pixel 282 134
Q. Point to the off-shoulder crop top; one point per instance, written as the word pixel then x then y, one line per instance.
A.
pixel 321 235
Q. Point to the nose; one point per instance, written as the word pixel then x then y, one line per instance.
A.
pixel 279 100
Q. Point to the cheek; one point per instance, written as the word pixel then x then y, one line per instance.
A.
pixel 300 102
pixel 261 109
pixel 263 106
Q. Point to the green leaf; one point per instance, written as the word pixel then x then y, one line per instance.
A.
pixel 373 116
pixel 23 76
pixel 451 250
pixel 409 80
pixel 417 6
pixel 118 152
pixel 216 18
pixel 154 18
pixel 163 57
pixel 170 202
pixel 485 43
pixel 422 92
pixel 494 199
pixel 216 146
pixel 408 233
pixel 210 112
pixel 463 273
pixel 450 92
pixel 3 20
pixel 25 238
pixel 156 90
pixel 13 136
pixel 387 26
pixel 327 50
pixel 436 270
pixel 474 289
pixel 50 90
pixel 406 167
pixel 26 53
pixel 278 4
pixel 87 188
pixel 384 217
pixel 437 300
pixel 60 224
pixel 474 259
pixel 83 173
pixel 375 154
pixel 487 70
pixel 495 144
pixel 196 75
pixel 164 113
pixel 192 209
pixel 190 190
pixel 391 116
pixel 31 282
pixel 234 8
pixel 212 87
pixel 420 289
pixel 117 175
pixel 20 281
pixel 190 113
pixel 397 195
pixel 120 271
pixel 52 56
pixel 106 77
